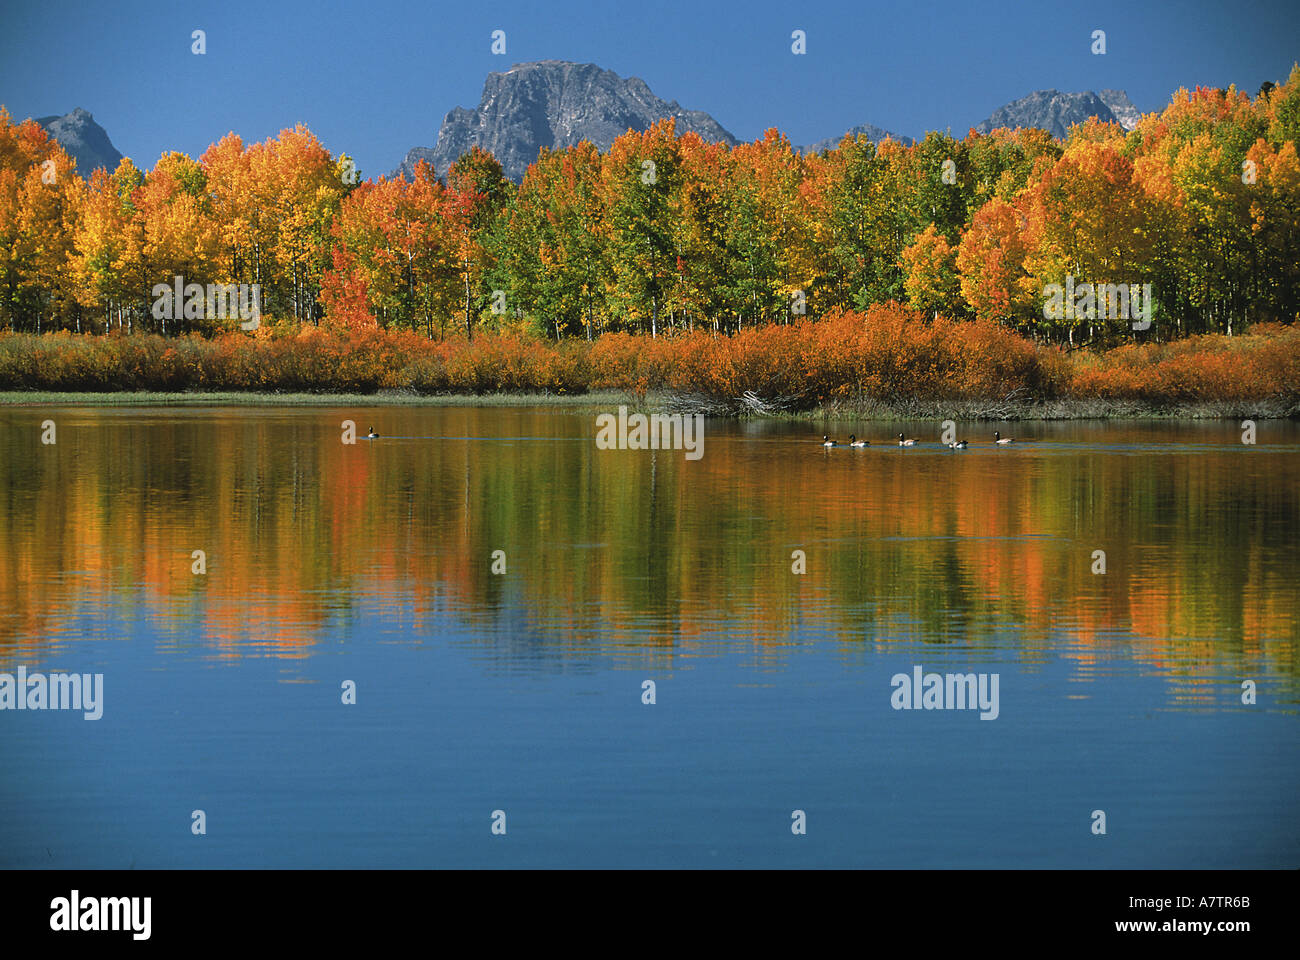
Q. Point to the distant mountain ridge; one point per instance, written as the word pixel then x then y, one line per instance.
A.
pixel 557 104
pixel 554 103
pixel 1056 112
pixel 873 133
pixel 84 140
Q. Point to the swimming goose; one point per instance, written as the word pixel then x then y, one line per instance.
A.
pixel 905 442
pixel 998 438
pixel 855 442
pixel 372 435
pixel 958 445
pixel 827 441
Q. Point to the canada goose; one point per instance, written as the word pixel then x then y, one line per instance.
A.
pixel 905 442
pixel 372 435
pixel 855 442
pixel 958 445
pixel 998 438
pixel 827 441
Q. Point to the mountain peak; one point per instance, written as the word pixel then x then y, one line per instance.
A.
pixel 83 139
pixel 1056 112
pixel 554 103
pixel 873 133
pixel 1125 112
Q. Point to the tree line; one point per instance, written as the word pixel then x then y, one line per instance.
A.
pixel 664 232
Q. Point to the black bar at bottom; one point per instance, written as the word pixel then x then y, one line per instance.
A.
pixel 338 908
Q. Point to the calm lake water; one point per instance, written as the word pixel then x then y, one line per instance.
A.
pixel 522 691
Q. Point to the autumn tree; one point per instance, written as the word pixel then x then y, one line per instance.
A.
pixel 930 265
pixel 549 249
pixel 704 237
pixel 640 190
pixel 991 264
pixel 38 209
pixel 106 266
pixel 176 234
pixel 393 257
pixel 1093 222
pixel 477 194
pixel 771 267
pixel 866 226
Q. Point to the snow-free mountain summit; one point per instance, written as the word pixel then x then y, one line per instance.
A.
pixel 1056 112
pixel 84 140
pixel 557 104
pixel 554 103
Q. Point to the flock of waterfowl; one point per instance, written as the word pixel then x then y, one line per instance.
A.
pixel 906 441
pixel 903 441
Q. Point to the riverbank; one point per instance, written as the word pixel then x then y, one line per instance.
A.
pixel 235 398
pixel 1067 409
pixel 886 363
pixel 962 411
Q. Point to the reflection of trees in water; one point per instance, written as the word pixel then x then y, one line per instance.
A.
pixel 640 550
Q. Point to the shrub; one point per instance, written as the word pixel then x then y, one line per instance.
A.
pixel 889 353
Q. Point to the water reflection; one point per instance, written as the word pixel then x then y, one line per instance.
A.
pixel 644 556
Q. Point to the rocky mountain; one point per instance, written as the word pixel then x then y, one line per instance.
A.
pixel 874 134
pixel 1054 111
pixel 84 140
pixel 553 103
pixel 1120 105
pixel 413 156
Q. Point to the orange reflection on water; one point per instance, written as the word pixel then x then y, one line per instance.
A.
pixel 610 550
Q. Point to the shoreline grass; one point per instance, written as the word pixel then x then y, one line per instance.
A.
pixel 241 398
pixel 889 363
pixel 1083 408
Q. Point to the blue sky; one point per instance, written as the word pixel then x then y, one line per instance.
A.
pixel 374 79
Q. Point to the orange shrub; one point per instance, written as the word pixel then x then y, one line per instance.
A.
pixel 889 353
pixel 1261 364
